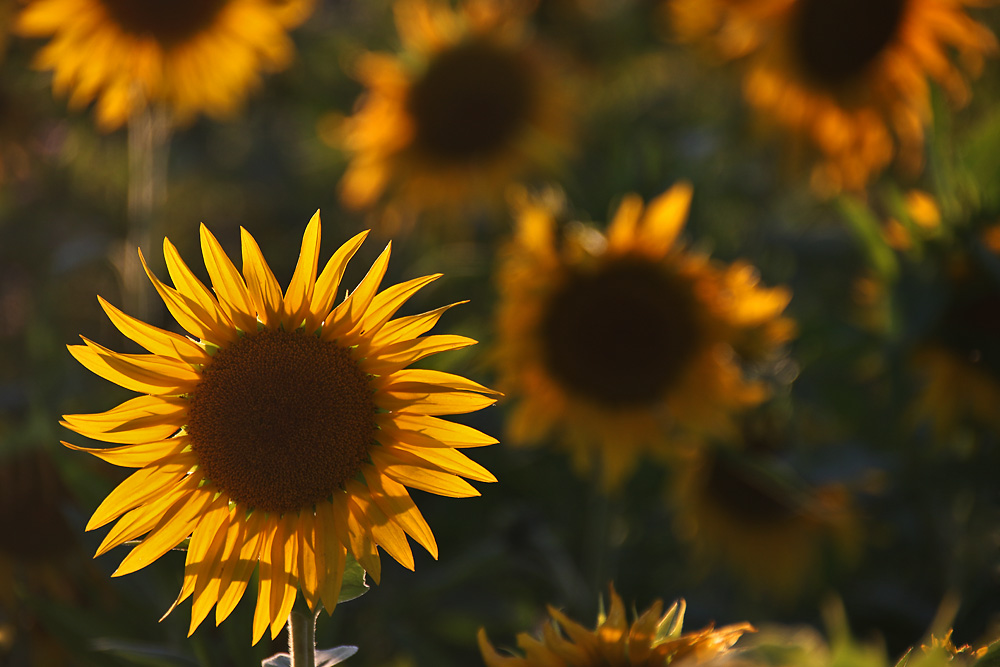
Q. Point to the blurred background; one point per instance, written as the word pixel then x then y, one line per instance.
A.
pixel 868 475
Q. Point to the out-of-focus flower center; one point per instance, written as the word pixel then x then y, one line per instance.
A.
pixel 620 335
pixel 281 419
pixel 167 21
pixel 837 40
pixel 746 497
pixel 471 102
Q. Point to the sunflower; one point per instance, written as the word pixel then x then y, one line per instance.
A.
pixel 615 339
pixel 470 105
pixel 773 532
pixel 850 77
pixel 283 436
pixel 192 56
pixel 651 640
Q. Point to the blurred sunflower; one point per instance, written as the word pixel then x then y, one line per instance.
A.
pixel 732 27
pixel 471 105
pixel 772 532
pixel 192 56
pixel 851 77
pixel 286 435
pixel 651 640
pixel 612 340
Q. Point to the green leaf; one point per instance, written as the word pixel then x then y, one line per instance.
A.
pixel 354 585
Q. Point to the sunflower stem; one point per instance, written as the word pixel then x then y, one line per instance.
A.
pixel 148 136
pixel 302 635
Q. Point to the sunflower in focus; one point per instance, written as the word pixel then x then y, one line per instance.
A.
pixel 281 434
pixel 613 340
pixel 772 532
pixel 851 77
pixel 471 105
pixel 651 640
pixel 191 56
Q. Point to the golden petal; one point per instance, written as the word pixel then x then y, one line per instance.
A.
pixel 409 327
pixel 156 340
pixel 386 533
pixel 395 356
pixel 394 500
pixel 262 612
pixel 421 429
pixel 135 456
pixel 334 556
pixel 444 459
pixel 325 294
pixel 411 379
pixel 188 285
pixel 350 313
pixel 142 486
pixel 419 477
pixel 136 421
pixel 230 289
pixel 236 572
pixel 205 557
pixel 422 402
pixel 265 292
pixel 145 373
pixel 298 296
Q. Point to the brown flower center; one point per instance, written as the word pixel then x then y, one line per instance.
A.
pixel 281 419
pixel 620 335
pixel 471 102
pixel 837 40
pixel 169 22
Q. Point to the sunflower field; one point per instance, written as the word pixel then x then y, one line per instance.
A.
pixel 510 333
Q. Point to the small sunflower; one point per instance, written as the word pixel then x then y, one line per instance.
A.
pixel 851 77
pixel 651 640
pixel 471 105
pixel 772 532
pixel 281 437
pixel 193 56
pixel 615 339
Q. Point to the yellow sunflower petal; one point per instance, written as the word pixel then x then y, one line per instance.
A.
pixel 444 459
pixel 188 285
pixel 154 339
pixel 432 431
pixel 411 326
pixel 284 581
pixel 145 373
pixel 205 558
pixel 623 227
pixel 423 402
pixel 230 289
pixel 140 487
pixel 349 313
pixel 395 356
pixel 141 520
pixel 298 296
pixel 411 379
pixel 386 303
pixel 419 477
pixel 664 219
pixel 395 502
pixel 262 611
pixel 386 533
pixel 187 312
pixel 174 526
pixel 265 293
pixel 312 561
pixel 236 572
pixel 325 294
pixel 334 556
pixel 359 532
pixel 135 456
pixel 138 420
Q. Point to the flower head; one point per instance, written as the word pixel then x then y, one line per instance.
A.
pixel 848 78
pixel 618 339
pixel 193 56
pixel 283 432
pixel 470 105
pixel 651 640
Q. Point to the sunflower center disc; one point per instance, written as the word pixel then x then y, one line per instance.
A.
pixel 836 40
pixel 281 419
pixel 621 335
pixel 471 102
pixel 167 21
